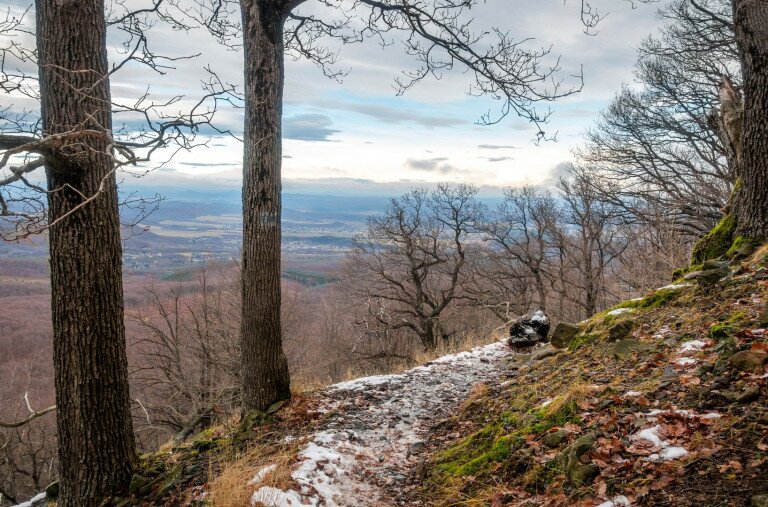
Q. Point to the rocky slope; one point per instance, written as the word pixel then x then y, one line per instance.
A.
pixel 658 401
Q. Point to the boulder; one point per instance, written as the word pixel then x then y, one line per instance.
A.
pixel 748 360
pixel 563 334
pixel 529 330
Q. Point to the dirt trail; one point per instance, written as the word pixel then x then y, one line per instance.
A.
pixel 367 451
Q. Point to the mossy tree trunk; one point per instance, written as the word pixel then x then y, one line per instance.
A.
pixel 751 200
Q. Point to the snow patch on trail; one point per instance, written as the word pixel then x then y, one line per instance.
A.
pixel 369 446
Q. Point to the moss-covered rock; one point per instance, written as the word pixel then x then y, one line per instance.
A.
pixel 563 334
pixel 578 473
pixel 621 330
pixel 555 438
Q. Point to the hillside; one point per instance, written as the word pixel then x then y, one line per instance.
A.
pixel 657 401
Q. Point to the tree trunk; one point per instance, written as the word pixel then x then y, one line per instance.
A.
pixel 265 375
pixel 95 433
pixel 751 199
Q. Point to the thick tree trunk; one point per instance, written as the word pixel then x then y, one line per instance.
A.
pixel 95 434
pixel 264 366
pixel 751 199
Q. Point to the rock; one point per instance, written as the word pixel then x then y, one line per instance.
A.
pixel 713 271
pixel 544 352
pixel 137 484
pixel 555 438
pixel 621 330
pixel 171 480
pixel 720 382
pixel 529 330
pixel 750 394
pixel 748 360
pixel 693 275
pixel 563 334
pixel 52 491
pixel 583 474
pixel 625 348
pixel 759 501
pixel 578 473
pixel 763 319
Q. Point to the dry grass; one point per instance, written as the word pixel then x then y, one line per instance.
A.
pixel 576 392
pixel 231 487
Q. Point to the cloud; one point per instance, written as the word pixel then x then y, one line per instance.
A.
pixel 499 159
pixel 392 115
pixel 437 164
pixel 308 127
pixel 496 147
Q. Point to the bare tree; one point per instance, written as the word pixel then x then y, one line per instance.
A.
pixel 522 233
pixel 596 239
pixel 657 147
pixel 189 367
pixel 411 264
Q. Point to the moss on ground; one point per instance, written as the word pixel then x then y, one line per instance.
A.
pixel 508 460
pixel 717 242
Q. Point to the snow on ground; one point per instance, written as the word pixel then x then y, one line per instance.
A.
pixel 675 286
pixel 369 445
pixel 617 501
pixel 665 451
pixel 35 501
pixel 619 311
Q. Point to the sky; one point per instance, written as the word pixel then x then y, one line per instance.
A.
pixel 358 136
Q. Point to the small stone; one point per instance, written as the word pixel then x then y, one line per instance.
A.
pixel 750 394
pixel 748 360
pixel 763 319
pixel 563 334
pixel 555 438
pixel 543 353
pixel 759 501
pixel 571 459
pixel 583 474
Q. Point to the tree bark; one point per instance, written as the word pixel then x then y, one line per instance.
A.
pixel 751 199
pixel 265 374
pixel 95 433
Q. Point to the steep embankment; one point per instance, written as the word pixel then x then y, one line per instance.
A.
pixel 658 401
